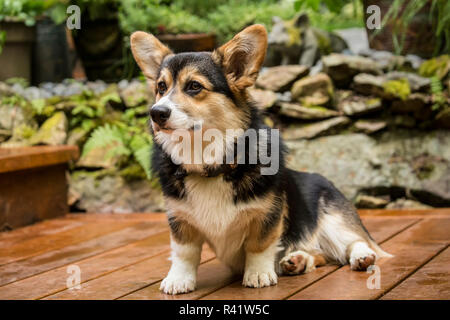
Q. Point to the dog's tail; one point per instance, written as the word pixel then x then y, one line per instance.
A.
pixel 380 252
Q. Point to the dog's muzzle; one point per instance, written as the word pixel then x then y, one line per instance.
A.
pixel 160 114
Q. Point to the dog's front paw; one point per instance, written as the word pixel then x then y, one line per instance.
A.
pixel 176 285
pixel 259 279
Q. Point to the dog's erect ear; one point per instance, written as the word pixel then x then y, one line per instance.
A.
pixel 242 57
pixel 302 20
pixel 148 52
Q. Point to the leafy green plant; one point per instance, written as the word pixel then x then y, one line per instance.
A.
pixel 402 16
pixel 27 10
pixel 230 18
pixel 122 140
pixel 437 91
pixel 155 17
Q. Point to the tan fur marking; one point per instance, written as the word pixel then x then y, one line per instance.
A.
pixel 185 233
pixel 148 52
pixel 242 57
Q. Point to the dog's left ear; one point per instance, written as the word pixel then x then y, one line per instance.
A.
pixel 242 57
pixel 148 52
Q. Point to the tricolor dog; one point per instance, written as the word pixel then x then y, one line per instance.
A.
pixel 261 224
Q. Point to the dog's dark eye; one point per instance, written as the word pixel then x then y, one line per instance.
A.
pixel 193 87
pixel 162 87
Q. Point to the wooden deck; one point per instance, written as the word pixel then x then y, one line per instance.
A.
pixel 126 256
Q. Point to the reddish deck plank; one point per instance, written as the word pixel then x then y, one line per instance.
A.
pixel 287 286
pixel 32 247
pixel 128 263
pixel 431 282
pixel 53 281
pixel 117 284
pixel 412 248
pixel 72 253
pixel 212 275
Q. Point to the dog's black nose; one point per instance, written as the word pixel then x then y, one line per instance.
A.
pixel 160 114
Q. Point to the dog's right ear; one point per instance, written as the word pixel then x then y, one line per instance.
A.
pixel 148 52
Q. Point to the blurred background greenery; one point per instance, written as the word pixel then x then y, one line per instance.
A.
pixel 82 87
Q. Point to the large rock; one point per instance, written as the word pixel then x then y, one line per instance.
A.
pixel 369 84
pixel 388 61
pixel 264 99
pixel 314 90
pixel 355 105
pixel 342 68
pixel 370 126
pixel 53 131
pixel 297 111
pixel 315 129
pixel 113 193
pixel 418 104
pixel 408 161
pixel 16 123
pixel 403 203
pixel 280 78
pixel 369 202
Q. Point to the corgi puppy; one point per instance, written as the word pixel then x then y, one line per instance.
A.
pixel 260 223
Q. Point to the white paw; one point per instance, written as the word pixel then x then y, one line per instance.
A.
pixel 361 257
pixel 259 278
pixel 297 262
pixel 176 285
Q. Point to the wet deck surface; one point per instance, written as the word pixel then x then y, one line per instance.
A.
pixel 126 257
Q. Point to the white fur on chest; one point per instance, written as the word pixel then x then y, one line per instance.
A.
pixel 209 206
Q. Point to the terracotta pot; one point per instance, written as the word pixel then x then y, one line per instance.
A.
pixel 420 38
pixel 187 42
pixel 16 56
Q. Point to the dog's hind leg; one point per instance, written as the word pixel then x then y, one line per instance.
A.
pixel 301 262
pixel 361 256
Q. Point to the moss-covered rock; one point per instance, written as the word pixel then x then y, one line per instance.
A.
pixel 355 105
pixel 436 67
pixel 316 90
pixel 77 136
pixel 297 111
pixel 53 131
pixel 397 88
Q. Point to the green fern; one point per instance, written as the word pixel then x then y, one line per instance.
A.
pixel 108 136
pixel 122 140
pixel 437 92
pixel 142 149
